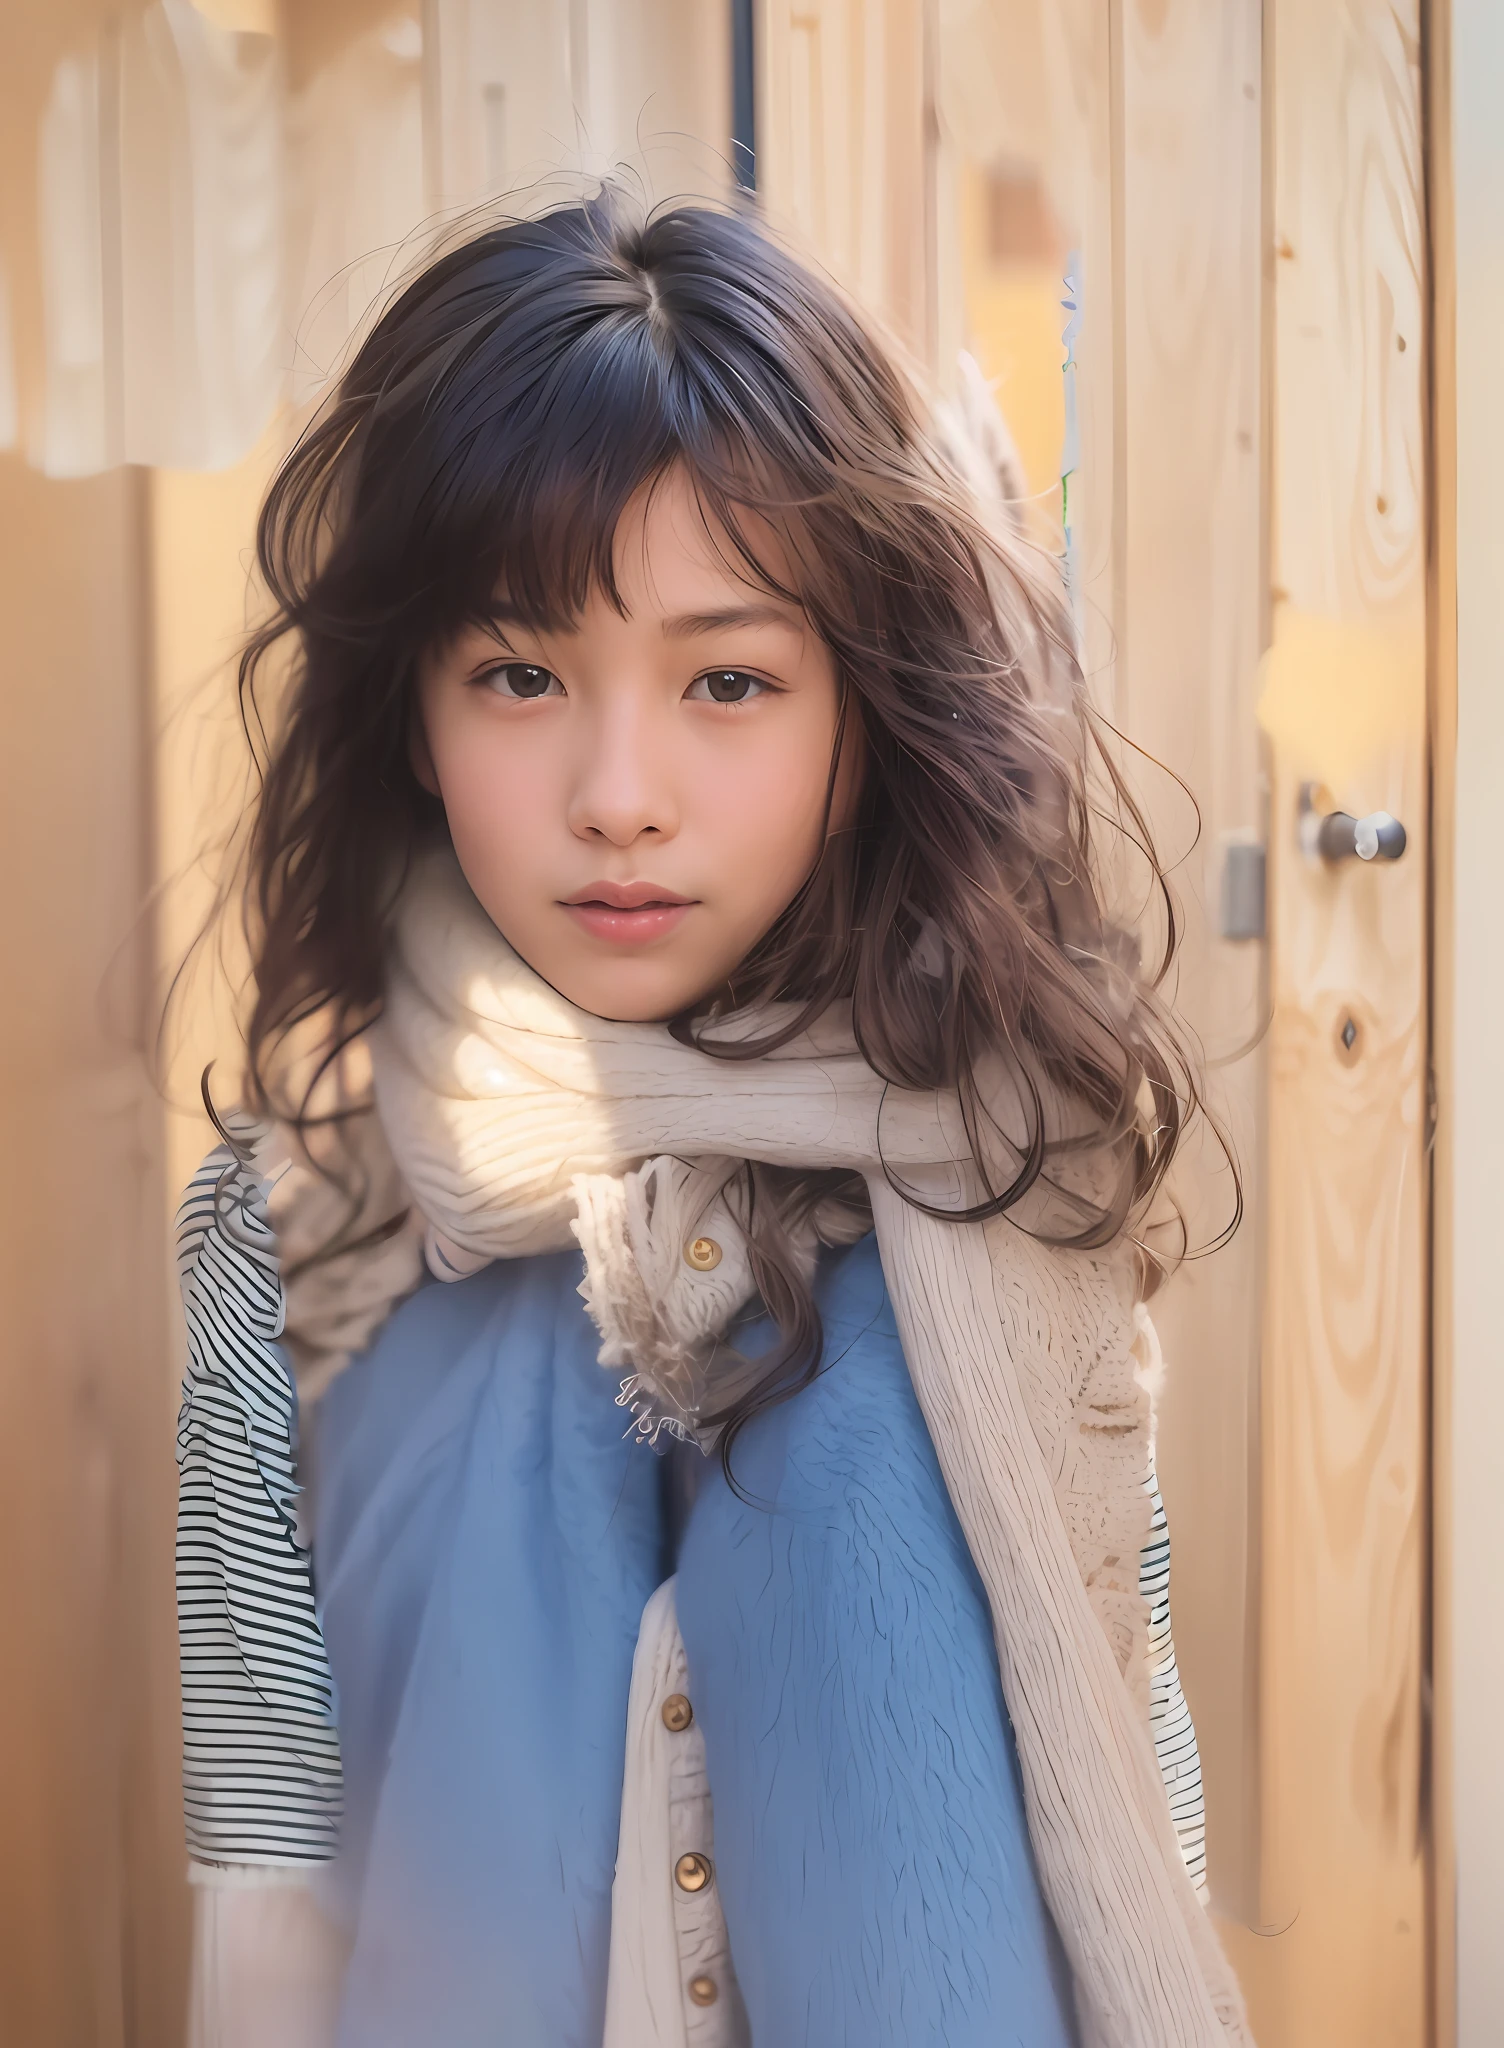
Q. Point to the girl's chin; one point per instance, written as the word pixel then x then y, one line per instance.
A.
pixel 633 988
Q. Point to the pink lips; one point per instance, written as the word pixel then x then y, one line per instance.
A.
pixel 628 913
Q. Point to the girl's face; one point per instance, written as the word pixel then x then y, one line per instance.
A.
pixel 636 799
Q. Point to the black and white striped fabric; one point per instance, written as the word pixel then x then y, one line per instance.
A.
pixel 261 1768
pixel 1169 1716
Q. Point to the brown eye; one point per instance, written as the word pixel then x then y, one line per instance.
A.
pixel 522 679
pixel 726 686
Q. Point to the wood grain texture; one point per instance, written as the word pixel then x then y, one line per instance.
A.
pixel 92 1899
pixel 1189 636
pixel 1463 1158
pixel 1344 1498
pixel 525 96
pixel 93 1922
pixel 1079 45
pixel 1025 92
pixel 842 149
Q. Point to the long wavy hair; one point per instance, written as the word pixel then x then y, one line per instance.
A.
pixel 490 431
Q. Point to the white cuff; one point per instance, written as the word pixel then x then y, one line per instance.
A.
pixel 268 1964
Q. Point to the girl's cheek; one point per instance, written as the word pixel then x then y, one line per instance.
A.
pixel 766 815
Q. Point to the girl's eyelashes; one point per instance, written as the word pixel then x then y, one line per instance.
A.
pixel 522 681
pixel 527 681
pixel 726 686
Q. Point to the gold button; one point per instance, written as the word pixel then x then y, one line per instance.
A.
pixel 704 1254
pixel 703 1990
pixel 677 1713
pixel 692 1872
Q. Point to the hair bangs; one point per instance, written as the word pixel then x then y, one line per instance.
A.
pixel 518 518
pixel 513 402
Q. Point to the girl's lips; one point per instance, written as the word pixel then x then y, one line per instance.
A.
pixel 622 925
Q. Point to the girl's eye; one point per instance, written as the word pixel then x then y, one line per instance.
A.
pixel 522 679
pixel 726 686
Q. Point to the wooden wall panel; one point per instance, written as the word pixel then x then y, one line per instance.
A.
pixel 202 598
pixel 843 147
pixel 1463 1153
pixel 1189 633
pixel 1344 1504
pixel 91 1855
pixel 1026 92
pixel 528 93
pixel 92 1900
pixel 1083 62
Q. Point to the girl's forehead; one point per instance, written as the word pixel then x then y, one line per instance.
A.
pixel 672 555
pixel 672 552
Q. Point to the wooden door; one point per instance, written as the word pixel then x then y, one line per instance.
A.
pixel 1343 1881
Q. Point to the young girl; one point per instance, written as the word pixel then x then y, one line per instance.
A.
pixel 677 950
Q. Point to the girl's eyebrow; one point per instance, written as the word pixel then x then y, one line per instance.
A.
pixel 690 623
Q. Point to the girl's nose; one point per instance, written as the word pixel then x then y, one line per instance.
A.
pixel 623 787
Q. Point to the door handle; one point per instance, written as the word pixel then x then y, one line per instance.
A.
pixel 1333 836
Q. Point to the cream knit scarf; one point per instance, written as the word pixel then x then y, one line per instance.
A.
pixel 519 1123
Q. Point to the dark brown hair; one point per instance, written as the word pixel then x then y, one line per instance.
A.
pixel 490 432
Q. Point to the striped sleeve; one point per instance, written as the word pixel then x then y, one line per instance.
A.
pixel 1169 1717
pixel 261 1769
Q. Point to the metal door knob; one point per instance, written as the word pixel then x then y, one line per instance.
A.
pixel 1337 835
pixel 1376 837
